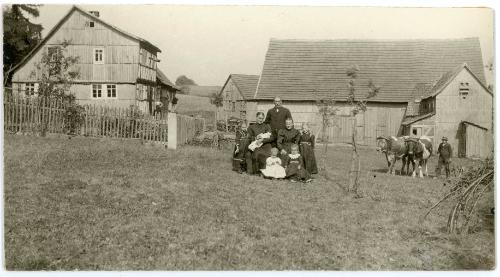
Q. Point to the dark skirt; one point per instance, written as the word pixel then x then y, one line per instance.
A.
pixel 309 158
pixel 256 160
pixel 239 159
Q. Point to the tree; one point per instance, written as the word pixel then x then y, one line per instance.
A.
pixel 20 35
pixel 184 81
pixel 326 111
pixel 357 106
pixel 217 100
pixel 55 74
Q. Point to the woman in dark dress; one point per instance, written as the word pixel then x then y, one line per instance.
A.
pixel 287 137
pixel 306 143
pixel 256 159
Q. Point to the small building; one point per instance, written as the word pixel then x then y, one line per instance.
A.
pixel 457 106
pixel 237 89
pixel 165 91
pixel 302 72
pixel 116 68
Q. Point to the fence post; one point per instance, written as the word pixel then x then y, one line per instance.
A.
pixel 172 131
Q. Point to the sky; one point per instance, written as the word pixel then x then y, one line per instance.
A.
pixel 207 43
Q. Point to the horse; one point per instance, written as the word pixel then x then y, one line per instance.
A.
pixel 419 151
pixel 394 149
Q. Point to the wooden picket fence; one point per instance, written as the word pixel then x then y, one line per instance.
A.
pixel 188 127
pixel 27 114
pixel 102 121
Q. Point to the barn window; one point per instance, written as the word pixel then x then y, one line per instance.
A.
pixel 98 55
pixel 463 90
pixel 111 91
pixel 97 91
pixel 30 89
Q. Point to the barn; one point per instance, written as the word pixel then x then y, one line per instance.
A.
pixel 235 92
pixel 304 71
pixel 458 106
pixel 116 68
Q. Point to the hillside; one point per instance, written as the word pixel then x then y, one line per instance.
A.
pixel 196 105
pixel 203 91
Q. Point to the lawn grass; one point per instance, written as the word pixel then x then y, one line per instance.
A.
pixel 92 204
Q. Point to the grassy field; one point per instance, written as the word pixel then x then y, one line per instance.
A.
pixel 92 204
pixel 196 105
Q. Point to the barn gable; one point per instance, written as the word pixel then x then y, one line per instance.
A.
pixel 305 70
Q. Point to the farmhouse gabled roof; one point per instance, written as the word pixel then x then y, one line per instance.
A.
pixel 245 83
pixel 162 78
pixel 97 19
pixel 312 69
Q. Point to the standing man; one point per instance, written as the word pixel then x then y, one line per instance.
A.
pixel 445 153
pixel 276 117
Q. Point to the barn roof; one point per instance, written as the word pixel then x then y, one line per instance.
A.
pixel 245 83
pixel 60 23
pixel 312 69
pixel 411 120
pixel 162 78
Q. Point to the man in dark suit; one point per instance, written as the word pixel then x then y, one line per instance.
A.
pixel 276 117
pixel 445 152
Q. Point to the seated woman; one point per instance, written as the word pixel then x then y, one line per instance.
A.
pixel 286 138
pixel 258 133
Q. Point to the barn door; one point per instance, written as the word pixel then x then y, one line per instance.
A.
pixel 381 129
pixel 360 128
pixel 476 143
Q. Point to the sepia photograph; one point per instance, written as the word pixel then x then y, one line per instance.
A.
pixel 169 137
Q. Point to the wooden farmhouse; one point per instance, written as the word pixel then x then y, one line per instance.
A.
pixel 457 106
pixel 116 68
pixel 303 71
pixel 165 90
pixel 237 89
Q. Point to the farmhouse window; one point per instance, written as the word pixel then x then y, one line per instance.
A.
pixel 463 90
pixel 111 91
pixel 97 91
pixel 30 89
pixel 233 107
pixel 98 55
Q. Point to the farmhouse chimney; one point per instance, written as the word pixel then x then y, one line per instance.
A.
pixel 94 13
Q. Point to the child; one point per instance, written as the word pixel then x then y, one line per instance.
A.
pixel 240 148
pixel 295 166
pixel 306 142
pixel 273 166
pixel 258 142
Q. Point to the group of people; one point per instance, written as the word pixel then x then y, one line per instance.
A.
pixel 273 148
